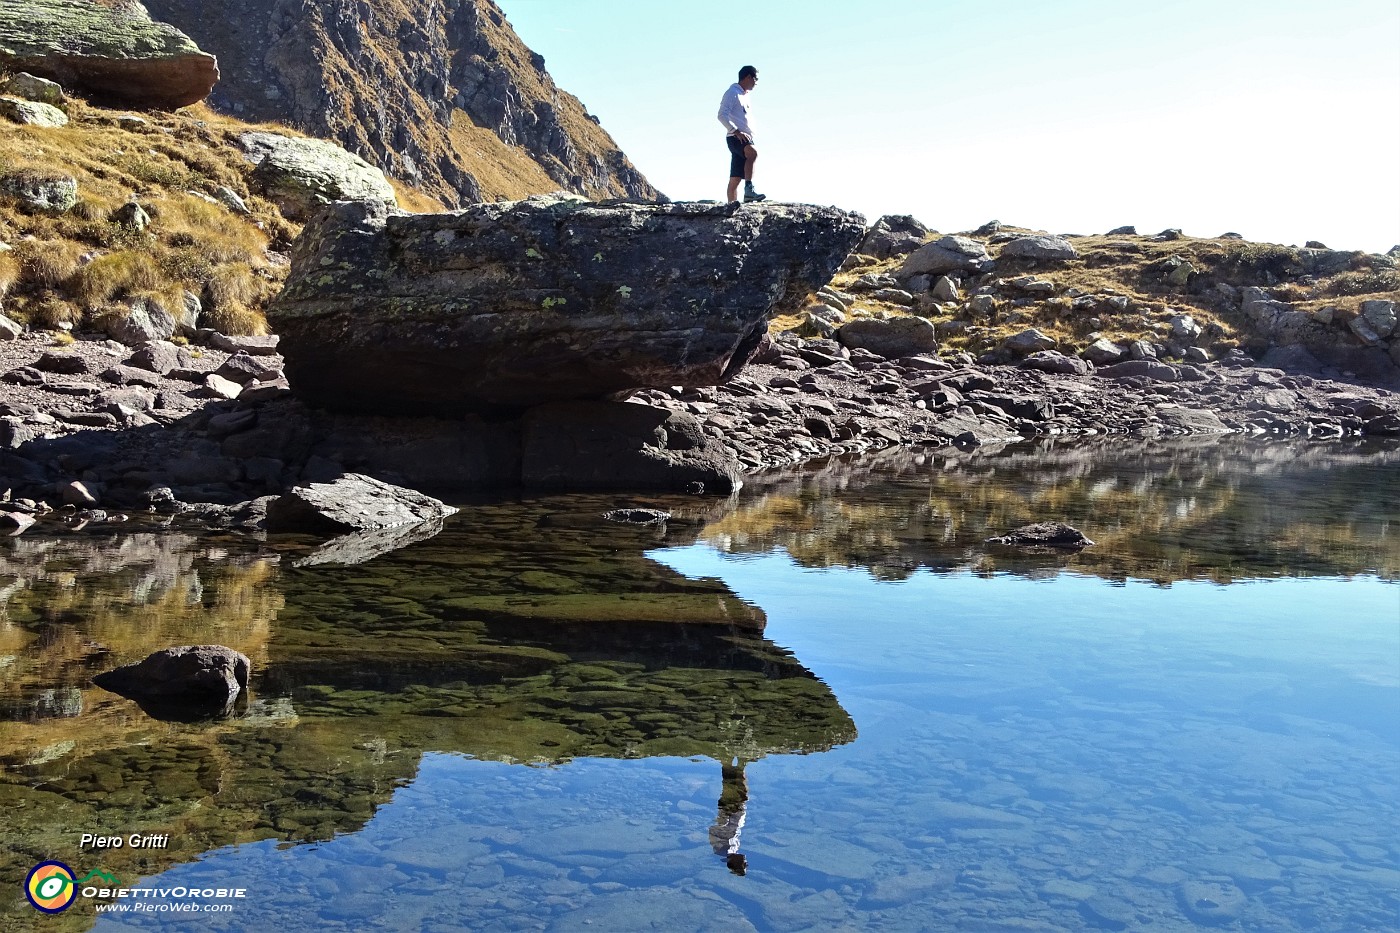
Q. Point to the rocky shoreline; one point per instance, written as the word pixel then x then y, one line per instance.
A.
pixel 93 432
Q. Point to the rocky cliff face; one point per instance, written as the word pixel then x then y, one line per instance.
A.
pixel 439 93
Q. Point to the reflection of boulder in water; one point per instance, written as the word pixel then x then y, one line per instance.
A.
pixel 1160 509
pixel 534 631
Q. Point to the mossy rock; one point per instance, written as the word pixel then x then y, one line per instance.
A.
pixel 105 55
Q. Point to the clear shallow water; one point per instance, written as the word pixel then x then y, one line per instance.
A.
pixel 941 737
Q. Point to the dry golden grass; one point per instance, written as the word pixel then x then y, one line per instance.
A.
pixel 174 166
pixel 9 273
pixel 113 276
pixel 502 171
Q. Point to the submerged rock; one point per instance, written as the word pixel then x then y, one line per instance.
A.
pixel 1043 535
pixel 500 307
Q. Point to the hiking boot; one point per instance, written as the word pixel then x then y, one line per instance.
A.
pixel 752 195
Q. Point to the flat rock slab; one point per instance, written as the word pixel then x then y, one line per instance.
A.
pixel 108 56
pixel 500 307
pixel 349 504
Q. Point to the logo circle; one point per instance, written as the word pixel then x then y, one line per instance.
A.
pixel 50 887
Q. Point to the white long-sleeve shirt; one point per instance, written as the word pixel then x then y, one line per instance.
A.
pixel 734 111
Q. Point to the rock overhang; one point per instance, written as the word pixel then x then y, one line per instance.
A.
pixel 499 307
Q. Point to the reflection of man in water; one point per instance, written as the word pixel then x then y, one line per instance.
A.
pixel 733 800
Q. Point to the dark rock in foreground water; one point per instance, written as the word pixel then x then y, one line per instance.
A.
pixel 500 307
pixel 187 682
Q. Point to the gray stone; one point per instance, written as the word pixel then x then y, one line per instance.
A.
pixel 1142 350
pixel 1191 421
pixel 145 320
pixel 9 329
pixel 50 192
pixel 892 338
pixel 1104 352
pixel 1052 361
pixel 945 289
pixel 74 492
pixel 15 523
pixel 1150 369
pixel 947 254
pixel 31 87
pixel 221 387
pixel 256 346
pixel 32 113
pixel 208 678
pixel 1028 341
pixel 158 356
pixel 1185 328
pixel 981 305
pixel 131 215
pixel 1380 314
pixel 299 175
pixel 897 296
pixel 498 307
pixel 893 235
pixel 231 199
pixel 351 503
pixel 1040 246
pixel 108 57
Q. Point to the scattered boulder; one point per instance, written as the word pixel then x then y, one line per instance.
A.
pixel 1052 361
pixel 299 175
pixel 265 345
pixel 1104 352
pixel 1043 535
pixel 191 681
pixel 49 192
pixel 32 113
pixel 145 320
pixel 1028 341
pixel 1149 369
pixel 1380 315
pixel 351 503
pixel 893 235
pixel 892 338
pixel 1040 246
pixel 499 307
pixel 947 254
pixel 108 56
pixel 10 330
pixel 30 87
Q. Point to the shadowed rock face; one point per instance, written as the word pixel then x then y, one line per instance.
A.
pixel 501 307
pixel 123 59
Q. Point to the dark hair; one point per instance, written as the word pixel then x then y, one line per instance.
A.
pixel 748 71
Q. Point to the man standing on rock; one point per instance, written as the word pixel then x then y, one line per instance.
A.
pixel 734 116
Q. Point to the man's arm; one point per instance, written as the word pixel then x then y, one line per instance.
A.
pixel 731 114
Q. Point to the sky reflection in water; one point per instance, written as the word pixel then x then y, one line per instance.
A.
pixel 1043 750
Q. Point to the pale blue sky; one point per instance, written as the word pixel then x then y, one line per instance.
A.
pixel 1274 118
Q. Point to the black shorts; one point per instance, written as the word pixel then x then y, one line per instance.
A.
pixel 736 157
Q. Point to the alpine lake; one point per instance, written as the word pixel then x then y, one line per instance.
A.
pixel 822 704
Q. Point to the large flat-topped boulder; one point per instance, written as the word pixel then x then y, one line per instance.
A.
pixel 112 56
pixel 500 307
